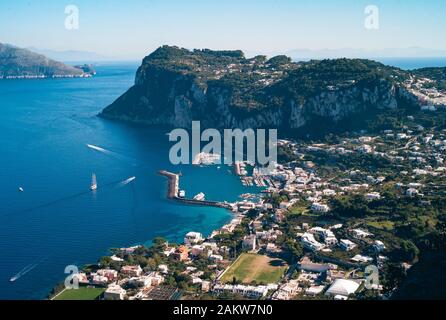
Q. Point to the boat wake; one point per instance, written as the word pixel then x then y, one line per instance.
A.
pixel 66 198
pixel 127 181
pixel 27 269
pixel 112 154
pixel 99 149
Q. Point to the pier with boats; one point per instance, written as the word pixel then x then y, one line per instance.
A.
pixel 173 193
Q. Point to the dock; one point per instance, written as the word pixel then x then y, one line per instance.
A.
pixel 173 189
pixel 173 183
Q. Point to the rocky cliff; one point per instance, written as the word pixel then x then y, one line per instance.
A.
pixel 22 63
pixel 223 89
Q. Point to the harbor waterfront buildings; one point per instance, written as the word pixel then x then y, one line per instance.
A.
pixel 295 219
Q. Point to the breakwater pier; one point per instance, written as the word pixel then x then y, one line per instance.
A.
pixel 173 189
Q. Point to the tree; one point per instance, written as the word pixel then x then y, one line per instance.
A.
pixel 295 250
pixel 252 214
pixel 105 262
pixel 409 251
pixel 394 275
pixel 159 242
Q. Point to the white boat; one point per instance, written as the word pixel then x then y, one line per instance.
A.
pixel 94 184
pixel 13 279
pixel 21 189
pixel 199 197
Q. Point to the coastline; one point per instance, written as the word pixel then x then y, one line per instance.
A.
pixel 33 77
pixel 171 194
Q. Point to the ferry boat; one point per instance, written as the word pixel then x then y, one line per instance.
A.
pixel 199 197
pixel 94 184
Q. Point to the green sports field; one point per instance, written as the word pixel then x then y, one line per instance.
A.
pixel 83 293
pixel 251 268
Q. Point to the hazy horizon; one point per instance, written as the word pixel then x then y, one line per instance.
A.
pixel 297 54
pixel 129 31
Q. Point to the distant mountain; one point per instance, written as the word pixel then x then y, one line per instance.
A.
pixel 70 55
pixel 22 63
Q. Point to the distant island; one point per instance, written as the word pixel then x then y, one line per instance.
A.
pixel 17 63
pixel 223 89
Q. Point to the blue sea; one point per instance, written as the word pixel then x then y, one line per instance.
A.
pixel 413 63
pixel 45 126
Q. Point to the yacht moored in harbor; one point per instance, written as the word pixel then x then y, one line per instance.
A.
pixel 200 197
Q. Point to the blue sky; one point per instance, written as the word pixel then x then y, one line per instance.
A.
pixel 133 28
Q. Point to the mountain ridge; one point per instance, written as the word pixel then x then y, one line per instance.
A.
pixel 223 89
pixel 22 63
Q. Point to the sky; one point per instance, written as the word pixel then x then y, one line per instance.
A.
pixel 133 28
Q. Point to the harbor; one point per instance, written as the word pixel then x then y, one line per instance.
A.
pixel 173 191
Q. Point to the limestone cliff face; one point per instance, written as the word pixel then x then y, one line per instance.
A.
pixel 175 96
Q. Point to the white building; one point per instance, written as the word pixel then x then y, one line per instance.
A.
pixel 330 241
pixel 193 238
pixel 205 286
pixel 412 192
pixel 379 246
pixel 117 259
pixel 197 249
pixel 253 292
pixel 361 234
pixel 249 242
pixel 114 292
pixel 133 271
pixel 365 149
pixel 373 196
pixel 99 280
pixel 318 230
pixel 342 287
pixel 314 290
pixel 327 234
pixel 110 274
pixel 287 291
pixel 347 245
pixel 309 242
pixel 329 192
pixel 216 257
pixel 361 259
pixel 319 207
pixel 271 248
pixel 163 268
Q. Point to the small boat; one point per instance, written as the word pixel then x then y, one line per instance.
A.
pixel 94 184
pixel 21 189
pixel 200 197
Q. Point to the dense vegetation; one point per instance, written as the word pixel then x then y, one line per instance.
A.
pixel 436 74
pixel 174 85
